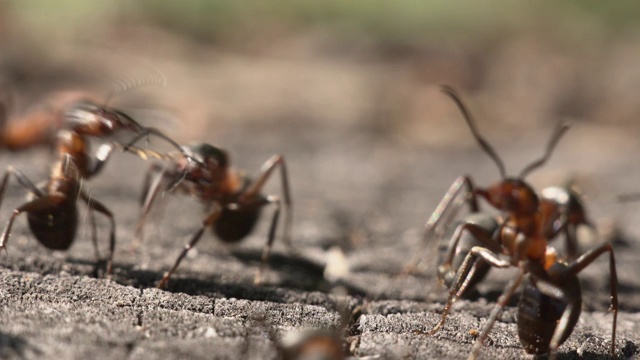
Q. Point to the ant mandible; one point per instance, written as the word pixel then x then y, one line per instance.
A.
pixel 522 240
pixel 233 201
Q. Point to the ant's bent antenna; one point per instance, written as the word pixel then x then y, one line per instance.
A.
pixel 123 86
pixel 447 90
pixel 560 129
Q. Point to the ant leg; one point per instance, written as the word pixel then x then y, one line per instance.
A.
pixel 571 238
pixel 463 278
pixel 585 260
pixel 447 203
pixel 208 221
pixel 272 232
pixel 94 234
pixel 497 309
pixel 36 204
pixel 256 186
pixel 22 180
pixel 483 237
pixel 40 201
pixel 96 205
pixel 150 190
pixel 571 242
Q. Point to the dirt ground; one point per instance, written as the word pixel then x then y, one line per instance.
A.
pixel 371 146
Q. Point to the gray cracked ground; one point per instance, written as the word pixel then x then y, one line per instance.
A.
pixel 52 306
pixel 355 183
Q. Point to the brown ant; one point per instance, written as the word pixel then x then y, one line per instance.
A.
pixel 52 211
pixel 521 241
pixel 83 117
pixel 312 344
pixel 319 343
pixel 568 214
pixel 232 200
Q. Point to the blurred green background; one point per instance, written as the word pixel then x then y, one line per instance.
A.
pixel 343 63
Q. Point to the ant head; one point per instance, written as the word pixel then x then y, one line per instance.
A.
pixel 511 195
pixel 208 155
pixel 86 112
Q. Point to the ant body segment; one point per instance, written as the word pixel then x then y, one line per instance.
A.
pixel 232 200
pixel 520 240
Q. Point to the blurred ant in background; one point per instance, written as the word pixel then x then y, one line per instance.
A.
pixel 551 300
pixel 319 343
pixel 232 200
pixel 51 210
pixel 73 111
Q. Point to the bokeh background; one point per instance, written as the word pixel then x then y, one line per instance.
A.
pixel 348 92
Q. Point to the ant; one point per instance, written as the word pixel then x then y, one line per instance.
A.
pixel 319 343
pixel 82 116
pixel 51 209
pixel 232 200
pixel 521 241
pixel 312 344
pixel 568 213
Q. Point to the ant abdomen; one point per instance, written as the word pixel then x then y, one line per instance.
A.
pixel 234 225
pixel 539 314
pixel 55 226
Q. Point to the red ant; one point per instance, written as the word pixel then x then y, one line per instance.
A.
pixel 232 200
pixel 82 116
pixel 522 240
pixel 52 211
pixel 563 203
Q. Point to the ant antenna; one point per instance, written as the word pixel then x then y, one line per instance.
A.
pixel 560 129
pixel 447 90
pixel 123 86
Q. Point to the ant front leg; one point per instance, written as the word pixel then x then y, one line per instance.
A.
pixel 254 189
pixel 208 221
pixel 463 278
pixel 32 205
pixel 482 230
pixel 96 205
pixel 447 208
pixel 497 309
pixel 270 238
pixel 150 190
